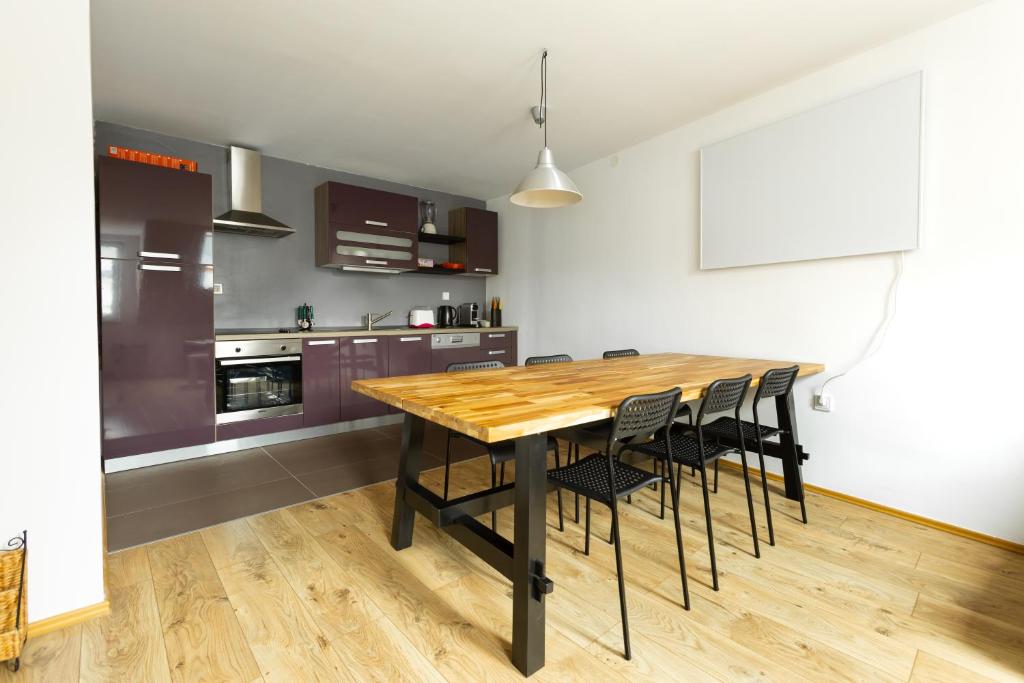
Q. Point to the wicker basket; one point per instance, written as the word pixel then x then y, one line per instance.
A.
pixel 13 600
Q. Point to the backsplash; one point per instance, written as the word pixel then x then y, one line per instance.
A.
pixel 265 279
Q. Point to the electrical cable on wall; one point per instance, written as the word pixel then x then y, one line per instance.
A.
pixel 878 339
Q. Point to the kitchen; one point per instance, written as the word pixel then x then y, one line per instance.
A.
pixel 469 341
pixel 279 364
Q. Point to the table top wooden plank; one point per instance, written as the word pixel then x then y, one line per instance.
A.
pixel 493 405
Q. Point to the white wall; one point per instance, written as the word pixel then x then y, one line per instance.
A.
pixel 930 424
pixel 49 402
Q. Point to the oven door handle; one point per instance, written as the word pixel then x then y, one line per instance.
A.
pixel 259 361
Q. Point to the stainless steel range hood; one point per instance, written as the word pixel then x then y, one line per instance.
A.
pixel 246 216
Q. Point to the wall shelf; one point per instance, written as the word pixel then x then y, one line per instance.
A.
pixel 439 239
pixel 437 270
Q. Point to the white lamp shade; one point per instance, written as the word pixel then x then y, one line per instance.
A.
pixel 545 187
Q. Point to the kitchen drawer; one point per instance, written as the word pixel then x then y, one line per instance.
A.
pixel 358 207
pixel 495 340
pixel 266 425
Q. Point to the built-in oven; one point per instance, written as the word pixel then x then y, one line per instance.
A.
pixel 258 378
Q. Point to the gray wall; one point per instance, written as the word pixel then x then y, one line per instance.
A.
pixel 265 279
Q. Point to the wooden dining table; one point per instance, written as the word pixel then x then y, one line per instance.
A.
pixel 524 404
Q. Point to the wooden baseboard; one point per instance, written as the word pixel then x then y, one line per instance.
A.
pixel 59 621
pixel 909 516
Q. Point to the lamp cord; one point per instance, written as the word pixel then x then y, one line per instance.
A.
pixel 544 95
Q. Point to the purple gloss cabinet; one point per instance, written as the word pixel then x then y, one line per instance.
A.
pixel 408 355
pixel 156 307
pixel 321 382
pixel 361 358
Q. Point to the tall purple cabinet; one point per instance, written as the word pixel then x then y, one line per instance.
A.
pixel 156 307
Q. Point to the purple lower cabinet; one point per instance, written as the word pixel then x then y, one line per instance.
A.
pixel 361 358
pixel 321 382
pixel 408 355
pixel 157 356
pixel 266 425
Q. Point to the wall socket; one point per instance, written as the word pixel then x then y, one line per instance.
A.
pixel 218 288
pixel 445 296
pixel 823 402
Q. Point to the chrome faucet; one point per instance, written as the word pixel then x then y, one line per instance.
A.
pixel 371 320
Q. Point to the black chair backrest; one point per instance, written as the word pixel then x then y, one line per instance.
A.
pixel 620 353
pixel 776 382
pixel 724 395
pixel 545 360
pixel 644 415
pixel 475 365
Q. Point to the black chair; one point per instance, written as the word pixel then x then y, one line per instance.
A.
pixel 602 478
pixel 683 449
pixel 777 382
pixel 547 360
pixel 500 452
pixel 620 353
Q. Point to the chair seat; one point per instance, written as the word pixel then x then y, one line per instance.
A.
pixel 684 410
pixel 505 451
pixel 726 426
pixel 589 478
pixel 685 449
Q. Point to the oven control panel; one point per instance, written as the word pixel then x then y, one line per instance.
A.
pixel 254 348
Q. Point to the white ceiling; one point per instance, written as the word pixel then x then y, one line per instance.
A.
pixel 437 93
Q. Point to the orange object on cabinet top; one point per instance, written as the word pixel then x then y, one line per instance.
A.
pixel 152 158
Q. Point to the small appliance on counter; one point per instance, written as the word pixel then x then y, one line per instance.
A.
pixel 469 315
pixel 496 311
pixel 304 317
pixel 421 317
pixel 447 316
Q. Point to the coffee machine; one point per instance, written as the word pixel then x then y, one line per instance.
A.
pixel 469 315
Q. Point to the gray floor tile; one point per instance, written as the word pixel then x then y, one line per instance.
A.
pixel 310 455
pixel 161 485
pixel 135 528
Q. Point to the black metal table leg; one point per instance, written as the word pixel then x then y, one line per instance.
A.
pixel 528 579
pixel 788 439
pixel 408 471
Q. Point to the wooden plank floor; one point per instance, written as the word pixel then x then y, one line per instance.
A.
pixel 314 592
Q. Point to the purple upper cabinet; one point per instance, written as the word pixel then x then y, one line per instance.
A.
pixel 152 212
pixel 360 207
pixel 480 250
pixel 408 355
pixel 321 382
pixel 361 358
pixel 365 229
pixel 157 356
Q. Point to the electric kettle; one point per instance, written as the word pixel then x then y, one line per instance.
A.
pixel 447 316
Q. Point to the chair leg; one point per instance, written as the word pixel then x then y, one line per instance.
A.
pixel 764 487
pixel 622 582
pixel 716 477
pixel 707 521
pixel 800 473
pixel 679 534
pixel 447 463
pixel 577 495
pixel 586 545
pixel 494 482
pixel 750 503
pixel 558 466
pixel 662 463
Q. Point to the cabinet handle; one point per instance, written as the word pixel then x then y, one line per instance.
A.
pixel 364 341
pixel 481 270
pixel 372 262
pixel 410 339
pixel 148 266
pixel 159 254
pixel 259 361
pixel 496 336
pixel 323 342
pixel 495 353
pixel 380 224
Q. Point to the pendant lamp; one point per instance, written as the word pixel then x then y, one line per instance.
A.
pixel 545 187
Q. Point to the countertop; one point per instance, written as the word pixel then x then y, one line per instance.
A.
pixel 240 335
